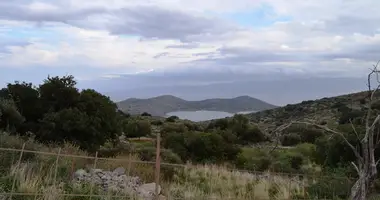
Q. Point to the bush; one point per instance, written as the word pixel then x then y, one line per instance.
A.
pixel 348 116
pixel 157 122
pixel 253 159
pixel 287 161
pixel 167 155
pixel 290 139
pixel 330 187
pixel 172 118
pixel 145 114
pixel 173 128
pixel 137 128
pixel 200 147
pixel 307 150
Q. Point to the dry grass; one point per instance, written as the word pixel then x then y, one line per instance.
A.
pixel 50 177
pixel 217 182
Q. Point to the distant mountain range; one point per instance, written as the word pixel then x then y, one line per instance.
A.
pixel 161 105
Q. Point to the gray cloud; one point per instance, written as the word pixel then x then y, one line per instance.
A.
pixel 346 24
pixel 19 11
pixel 145 21
pixel 155 22
pixel 249 58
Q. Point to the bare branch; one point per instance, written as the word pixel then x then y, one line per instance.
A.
pixel 276 132
pixel 375 122
pixel 356 132
pixel 356 167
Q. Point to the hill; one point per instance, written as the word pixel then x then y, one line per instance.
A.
pixel 159 106
pixel 322 111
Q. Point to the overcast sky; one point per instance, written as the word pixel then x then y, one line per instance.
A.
pixel 186 41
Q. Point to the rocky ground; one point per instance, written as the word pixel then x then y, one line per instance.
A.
pixel 117 181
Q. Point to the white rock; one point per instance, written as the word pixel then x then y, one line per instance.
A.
pixel 119 171
pixel 147 191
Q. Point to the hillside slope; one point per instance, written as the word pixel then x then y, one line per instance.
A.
pixel 325 110
pixel 159 106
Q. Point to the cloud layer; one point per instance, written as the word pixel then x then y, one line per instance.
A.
pixel 100 38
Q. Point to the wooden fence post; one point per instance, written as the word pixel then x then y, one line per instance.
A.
pixel 158 165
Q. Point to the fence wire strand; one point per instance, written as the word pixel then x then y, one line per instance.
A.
pixel 175 179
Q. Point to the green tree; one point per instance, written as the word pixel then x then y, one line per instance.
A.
pixel 58 93
pixel 26 98
pixel 102 110
pixel 10 118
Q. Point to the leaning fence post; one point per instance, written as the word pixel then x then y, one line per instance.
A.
pixel 158 165
pixel 91 184
pixel 15 172
pixel 56 167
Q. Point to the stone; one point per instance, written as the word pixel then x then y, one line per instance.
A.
pixel 119 171
pixel 116 180
pixel 96 171
pixel 147 190
pixel 80 174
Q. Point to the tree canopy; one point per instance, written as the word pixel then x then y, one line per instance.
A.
pixel 57 111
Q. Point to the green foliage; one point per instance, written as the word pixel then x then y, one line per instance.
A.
pixel 172 118
pixel 287 161
pixel 253 159
pixel 291 139
pixel 200 147
pixel 173 128
pixel 167 155
pixel 57 93
pixel 221 124
pixel 330 187
pixel 57 111
pixel 297 134
pixel 332 150
pixel 157 122
pixel 349 116
pixel 137 128
pixel 145 114
pixel 10 117
pixel 307 150
pixel 240 127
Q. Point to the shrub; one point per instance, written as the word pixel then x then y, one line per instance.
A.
pixel 145 114
pixel 157 122
pixel 307 150
pixel 172 119
pixel 253 159
pixel 330 187
pixel 290 139
pixel 137 128
pixel 173 128
pixel 348 116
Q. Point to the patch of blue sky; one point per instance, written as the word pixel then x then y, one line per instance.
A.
pixel 129 36
pixel 29 33
pixel 259 17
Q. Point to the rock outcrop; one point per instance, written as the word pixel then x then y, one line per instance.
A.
pixel 117 181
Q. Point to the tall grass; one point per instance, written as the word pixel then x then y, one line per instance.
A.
pixel 44 177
